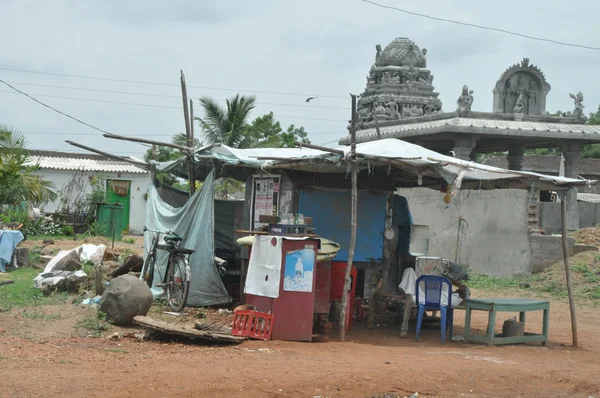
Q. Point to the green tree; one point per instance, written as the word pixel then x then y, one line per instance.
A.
pixel 294 134
pixel 228 126
pixel 18 180
pixel 592 150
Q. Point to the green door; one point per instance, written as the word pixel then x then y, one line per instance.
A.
pixel 119 191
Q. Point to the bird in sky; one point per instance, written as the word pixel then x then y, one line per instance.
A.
pixel 310 99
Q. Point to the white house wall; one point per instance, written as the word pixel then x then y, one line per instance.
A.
pixel 139 186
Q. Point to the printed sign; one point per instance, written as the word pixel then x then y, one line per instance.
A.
pixel 299 269
pixel 265 198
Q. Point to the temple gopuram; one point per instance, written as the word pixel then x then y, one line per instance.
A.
pixel 400 101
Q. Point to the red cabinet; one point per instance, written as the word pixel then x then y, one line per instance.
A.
pixel 293 309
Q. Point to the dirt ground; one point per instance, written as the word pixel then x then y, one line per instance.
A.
pixel 47 355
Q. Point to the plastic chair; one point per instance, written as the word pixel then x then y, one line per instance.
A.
pixel 430 299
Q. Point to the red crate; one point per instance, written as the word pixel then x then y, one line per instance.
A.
pixel 254 324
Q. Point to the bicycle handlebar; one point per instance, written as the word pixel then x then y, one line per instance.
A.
pixel 168 232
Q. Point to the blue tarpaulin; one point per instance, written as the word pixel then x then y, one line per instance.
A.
pixel 8 242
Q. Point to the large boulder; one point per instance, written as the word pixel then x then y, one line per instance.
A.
pixel 70 262
pixel 124 298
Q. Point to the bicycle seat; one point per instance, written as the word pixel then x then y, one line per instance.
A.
pixel 172 238
pixel 183 250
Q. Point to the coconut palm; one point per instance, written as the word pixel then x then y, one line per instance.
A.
pixel 228 125
pixel 17 179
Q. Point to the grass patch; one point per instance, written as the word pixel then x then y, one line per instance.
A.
pixel 40 315
pixel 117 351
pixel 550 283
pixel 3 358
pixel 131 241
pixel 23 294
pixel 94 324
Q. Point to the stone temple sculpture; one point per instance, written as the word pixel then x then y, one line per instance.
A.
pixel 578 101
pixel 525 82
pixel 520 104
pixel 465 100
pixel 399 86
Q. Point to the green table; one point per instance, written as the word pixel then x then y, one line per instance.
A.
pixel 494 305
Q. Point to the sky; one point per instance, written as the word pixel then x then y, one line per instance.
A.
pixel 282 51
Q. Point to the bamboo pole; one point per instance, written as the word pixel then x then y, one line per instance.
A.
pixel 188 134
pixel 565 243
pixel 145 141
pixel 191 145
pixel 352 245
pixel 108 155
pixel 322 148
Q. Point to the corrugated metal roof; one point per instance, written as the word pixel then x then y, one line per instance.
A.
pixel 80 161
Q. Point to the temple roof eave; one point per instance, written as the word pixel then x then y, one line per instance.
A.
pixel 482 127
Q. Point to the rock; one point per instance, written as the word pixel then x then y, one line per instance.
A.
pixel 70 262
pixel 47 242
pixel 22 256
pixel 59 281
pixel 109 255
pixel 133 263
pixel 125 297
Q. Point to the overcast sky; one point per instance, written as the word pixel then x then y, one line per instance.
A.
pixel 307 47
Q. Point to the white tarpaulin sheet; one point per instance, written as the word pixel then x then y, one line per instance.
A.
pixel 391 152
pixel 264 267
pixel 194 223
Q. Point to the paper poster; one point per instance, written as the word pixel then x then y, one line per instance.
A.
pixel 299 268
pixel 265 198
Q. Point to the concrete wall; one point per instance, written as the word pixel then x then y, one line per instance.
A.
pixel 549 215
pixel 139 186
pixel 496 242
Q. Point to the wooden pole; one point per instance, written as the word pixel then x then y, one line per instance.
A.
pixel 352 246
pixel 192 155
pixel 108 155
pixel 145 141
pixel 188 135
pixel 563 219
pixel 322 148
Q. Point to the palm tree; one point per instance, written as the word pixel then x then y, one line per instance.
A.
pixel 17 179
pixel 228 125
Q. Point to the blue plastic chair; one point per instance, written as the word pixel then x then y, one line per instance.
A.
pixel 433 287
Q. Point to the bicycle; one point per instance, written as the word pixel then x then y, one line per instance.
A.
pixel 177 277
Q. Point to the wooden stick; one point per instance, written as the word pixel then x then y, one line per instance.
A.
pixel 565 243
pixel 108 155
pixel 352 245
pixel 145 141
pixel 321 148
pixel 188 134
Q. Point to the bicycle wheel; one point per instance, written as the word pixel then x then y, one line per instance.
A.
pixel 178 282
pixel 149 267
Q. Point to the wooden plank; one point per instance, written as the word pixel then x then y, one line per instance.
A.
pixel 166 328
pixel 247 232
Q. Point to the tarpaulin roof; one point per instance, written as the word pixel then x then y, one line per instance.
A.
pixel 393 154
